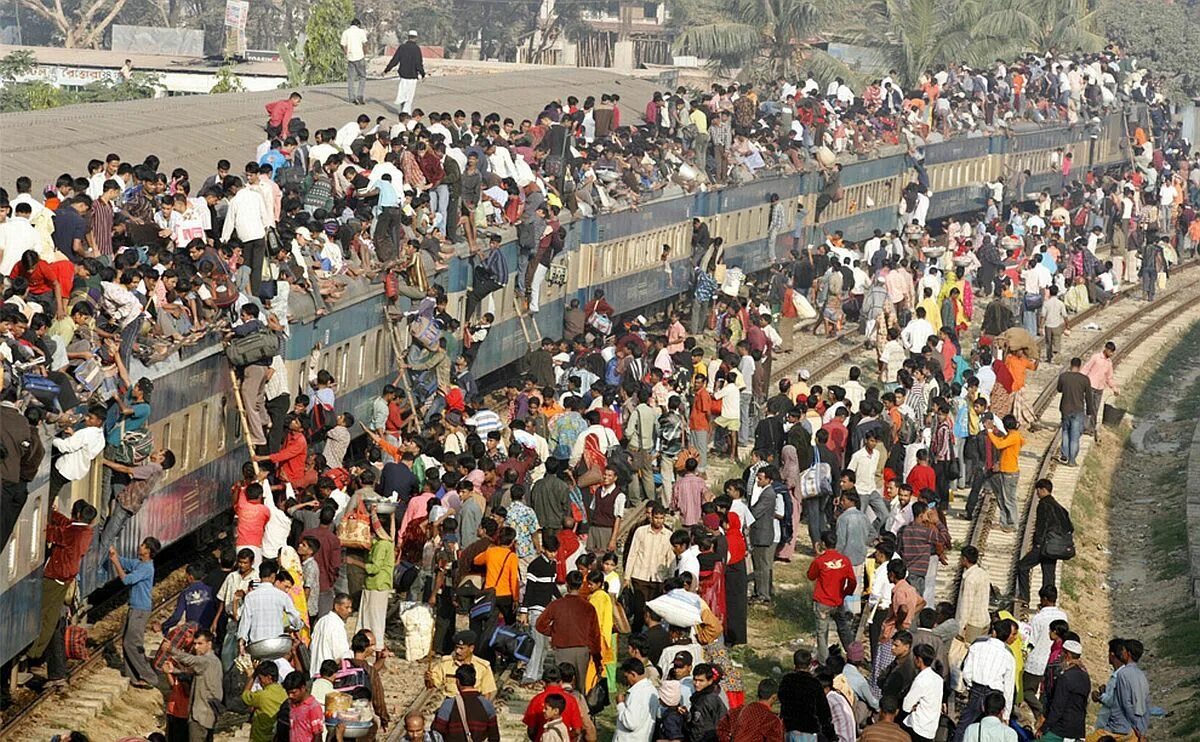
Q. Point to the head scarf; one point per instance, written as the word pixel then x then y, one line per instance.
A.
pixel 790 470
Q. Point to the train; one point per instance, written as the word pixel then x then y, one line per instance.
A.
pixel 195 411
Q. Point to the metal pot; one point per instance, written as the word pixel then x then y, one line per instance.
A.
pixel 351 729
pixel 270 649
pixel 383 507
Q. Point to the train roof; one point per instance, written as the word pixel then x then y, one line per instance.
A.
pixel 195 131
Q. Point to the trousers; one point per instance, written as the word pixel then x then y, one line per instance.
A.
pixel 53 593
pixel 1027 563
pixel 373 613
pixel 763 558
pixel 254 379
pixel 579 657
pixel 133 640
pixel 541 642
pixel 1072 431
pixel 12 501
pixel 254 252
pixel 831 617
pixel 356 80
pixel 406 91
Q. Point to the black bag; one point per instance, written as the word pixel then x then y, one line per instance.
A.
pixel 483 283
pixel 1059 545
pixel 404 576
pixel 597 697
pixel 952 470
pixel 513 642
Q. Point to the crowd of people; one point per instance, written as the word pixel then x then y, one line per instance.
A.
pixel 592 524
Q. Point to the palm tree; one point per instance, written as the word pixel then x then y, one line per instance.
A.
pixel 913 36
pixel 1038 25
pixel 765 38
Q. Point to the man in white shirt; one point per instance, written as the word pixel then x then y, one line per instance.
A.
pixel 1040 639
pixel 917 332
pixel 353 41
pixel 923 702
pixel 350 131
pixel 77 450
pixel 1035 280
pixel 248 218
pixel 17 235
pixel 500 160
pixel 637 711
pixel 329 640
pixel 989 666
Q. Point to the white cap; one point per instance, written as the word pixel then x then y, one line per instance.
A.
pixel 805 374
pixel 1073 647
pixel 412 33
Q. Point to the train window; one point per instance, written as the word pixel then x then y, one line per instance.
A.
pixel 343 362
pixel 203 452
pixel 12 553
pixel 35 527
pixel 184 452
pixel 362 358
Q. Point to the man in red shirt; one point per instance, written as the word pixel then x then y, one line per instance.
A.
pixel 280 114
pixel 571 716
pixel 251 514
pixel 833 580
pixel 754 721
pixel 922 475
pixel 700 419
pixel 292 457
pixel 839 435
pixel 69 539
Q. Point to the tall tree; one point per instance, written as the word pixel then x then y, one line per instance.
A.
pixel 324 60
pixel 78 23
pixel 765 38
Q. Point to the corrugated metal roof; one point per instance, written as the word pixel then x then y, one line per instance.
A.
pixel 193 132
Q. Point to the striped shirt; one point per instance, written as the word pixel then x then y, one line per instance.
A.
pixel 102 226
pixel 476 721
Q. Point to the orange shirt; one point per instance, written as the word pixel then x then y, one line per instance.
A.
pixel 500 570
pixel 1017 366
pixel 1010 450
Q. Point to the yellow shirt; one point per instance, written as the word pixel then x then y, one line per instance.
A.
pixel 699 120
pixel 443 676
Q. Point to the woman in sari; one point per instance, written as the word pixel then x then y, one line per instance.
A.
pixel 289 561
pixel 736 575
pixel 790 471
pixel 602 602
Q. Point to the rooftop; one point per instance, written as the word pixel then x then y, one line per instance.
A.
pixel 193 132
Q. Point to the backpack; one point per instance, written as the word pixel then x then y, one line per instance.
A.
pixel 257 346
pixel 908 430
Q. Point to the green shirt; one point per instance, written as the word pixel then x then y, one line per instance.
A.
pixel 266 703
pixel 380 565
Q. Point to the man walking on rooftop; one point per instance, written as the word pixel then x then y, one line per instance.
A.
pixel 354 40
pixel 410 66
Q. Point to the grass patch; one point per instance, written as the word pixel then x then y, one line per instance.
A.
pixel 1070 584
pixel 1148 394
pixel 1168 540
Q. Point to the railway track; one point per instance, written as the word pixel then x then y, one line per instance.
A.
pixel 1000 550
pixel 77 676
